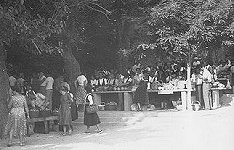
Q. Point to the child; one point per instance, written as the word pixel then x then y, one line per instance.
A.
pixel 30 97
pixel 90 119
pixel 65 118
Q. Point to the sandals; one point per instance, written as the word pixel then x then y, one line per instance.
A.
pixel 69 132
pixel 22 144
pixel 87 132
pixel 64 134
pixel 99 131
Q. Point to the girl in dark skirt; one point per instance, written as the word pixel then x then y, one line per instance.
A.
pixel 90 119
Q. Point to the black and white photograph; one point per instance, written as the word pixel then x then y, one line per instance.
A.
pixel 116 74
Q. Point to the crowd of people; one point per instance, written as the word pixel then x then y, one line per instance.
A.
pixel 207 75
pixel 204 75
pixel 44 93
pixel 162 73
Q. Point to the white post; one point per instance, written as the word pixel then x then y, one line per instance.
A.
pixel 127 101
pixel 189 86
pixel 184 100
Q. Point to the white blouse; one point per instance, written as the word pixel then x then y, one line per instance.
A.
pixel 90 99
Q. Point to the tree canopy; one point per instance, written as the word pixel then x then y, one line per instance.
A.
pixel 180 26
pixel 54 26
pixel 171 26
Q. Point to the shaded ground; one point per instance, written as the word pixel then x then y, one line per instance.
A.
pixel 169 131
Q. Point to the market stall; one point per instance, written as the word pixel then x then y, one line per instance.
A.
pixel 126 97
pixel 182 92
pixel 217 91
pixel 46 120
pixel 39 113
pixel 216 94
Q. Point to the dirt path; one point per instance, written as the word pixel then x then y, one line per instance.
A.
pixel 170 131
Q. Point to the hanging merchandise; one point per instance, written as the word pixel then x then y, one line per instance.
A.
pixel 228 86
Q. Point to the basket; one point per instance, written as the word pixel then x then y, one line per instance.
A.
pixel 154 86
pixel 90 109
pixel 110 107
pixel 34 114
pixel 55 113
pixel 45 113
pixel 196 105
pixel 101 107
pixel 182 85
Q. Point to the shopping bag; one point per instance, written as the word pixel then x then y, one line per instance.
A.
pixel 91 109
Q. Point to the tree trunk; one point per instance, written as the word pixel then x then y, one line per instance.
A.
pixel 71 67
pixel 4 90
pixel 123 43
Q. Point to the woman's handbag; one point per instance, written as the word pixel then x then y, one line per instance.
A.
pixel 90 109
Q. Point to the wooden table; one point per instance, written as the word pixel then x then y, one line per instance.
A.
pixel 43 119
pixel 126 97
pixel 223 80
pixel 183 95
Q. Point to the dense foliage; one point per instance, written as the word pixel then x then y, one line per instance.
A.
pixel 172 26
pixel 179 27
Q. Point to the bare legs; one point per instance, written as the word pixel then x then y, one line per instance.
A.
pixel 21 138
pixel 10 138
pixel 22 141
pixel 98 129
pixel 139 106
pixel 88 129
pixel 69 129
pixel 65 130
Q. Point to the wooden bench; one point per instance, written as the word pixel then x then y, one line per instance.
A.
pixel 46 121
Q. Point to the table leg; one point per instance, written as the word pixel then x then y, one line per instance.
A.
pixel 97 98
pixel 30 128
pixel 215 98
pixel 220 95
pixel 121 101
pixel 51 122
pixel 46 127
pixel 33 126
pixel 127 101
pixel 183 99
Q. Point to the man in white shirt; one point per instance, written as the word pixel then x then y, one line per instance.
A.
pixel 207 79
pixel 48 83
